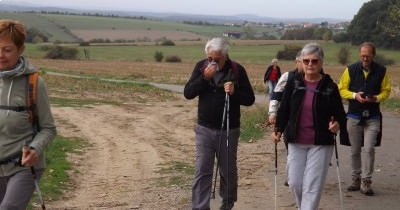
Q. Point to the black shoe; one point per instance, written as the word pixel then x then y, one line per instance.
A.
pixel 226 205
pixel 286 184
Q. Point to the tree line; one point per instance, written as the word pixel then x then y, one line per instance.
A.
pixel 377 21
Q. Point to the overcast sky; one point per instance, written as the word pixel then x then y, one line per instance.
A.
pixel 343 9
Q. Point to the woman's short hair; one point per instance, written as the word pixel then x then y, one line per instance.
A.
pixel 275 60
pixel 13 30
pixel 217 44
pixel 313 48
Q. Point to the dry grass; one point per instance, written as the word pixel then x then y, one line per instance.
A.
pixel 88 35
pixel 177 73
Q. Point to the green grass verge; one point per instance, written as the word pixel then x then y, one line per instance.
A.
pixel 55 178
pixel 251 124
pixel 391 104
pixel 179 174
pixel 73 102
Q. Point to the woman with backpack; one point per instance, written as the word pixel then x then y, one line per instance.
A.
pixel 311 111
pixel 26 123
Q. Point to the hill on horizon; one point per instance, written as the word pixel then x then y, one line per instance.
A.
pixel 21 6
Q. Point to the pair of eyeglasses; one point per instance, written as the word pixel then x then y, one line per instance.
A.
pixel 312 61
pixel 366 56
pixel 213 60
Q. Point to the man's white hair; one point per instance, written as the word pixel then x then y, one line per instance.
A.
pixel 217 44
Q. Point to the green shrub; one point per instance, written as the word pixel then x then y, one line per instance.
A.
pixel 289 52
pixel 44 47
pixel 173 59
pixel 158 56
pixel 168 43
pixel 381 59
pixel 60 52
pixel 83 44
pixel 344 55
pixel 341 37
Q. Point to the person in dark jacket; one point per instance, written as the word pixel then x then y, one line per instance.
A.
pixel 272 75
pixel 312 112
pixel 364 84
pixel 213 80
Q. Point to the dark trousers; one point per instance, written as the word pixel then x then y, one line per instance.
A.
pixel 16 190
pixel 211 143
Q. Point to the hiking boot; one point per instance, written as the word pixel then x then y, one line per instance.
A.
pixel 286 183
pixel 355 186
pixel 226 205
pixel 366 187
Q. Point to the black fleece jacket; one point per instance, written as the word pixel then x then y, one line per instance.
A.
pixel 326 103
pixel 212 95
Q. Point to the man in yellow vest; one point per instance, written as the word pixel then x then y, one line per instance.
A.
pixel 364 84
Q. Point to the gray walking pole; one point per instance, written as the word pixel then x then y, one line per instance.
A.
pixel 227 147
pixel 337 170
pixel 219 148
pixel 276 174
pixel 338 175
pixel 35 181
pixel 37 188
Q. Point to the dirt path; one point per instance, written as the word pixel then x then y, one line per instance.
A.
pixel 129 144
pixel 132 142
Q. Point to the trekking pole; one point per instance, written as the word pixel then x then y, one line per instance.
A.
pixel 37 188
pixel 227 148
pixel 219 148
pixel 338 172
pixel 276 174
pixel 35 181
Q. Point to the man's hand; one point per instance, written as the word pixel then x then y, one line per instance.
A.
pixel 29 156
pixel 210 71
pixel 276 137
pixel 359 97
pixel 371 99
pixel 229 88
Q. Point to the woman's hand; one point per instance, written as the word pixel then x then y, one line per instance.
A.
pixel 276 137
pixel 29 156
pixel 334 126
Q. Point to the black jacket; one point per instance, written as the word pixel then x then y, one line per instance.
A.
pixel 326 103
pixel 212 95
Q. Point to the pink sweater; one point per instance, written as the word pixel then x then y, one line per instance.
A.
pixel 306 130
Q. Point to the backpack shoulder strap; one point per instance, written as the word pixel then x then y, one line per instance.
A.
pixel 235 70
pixel 31 96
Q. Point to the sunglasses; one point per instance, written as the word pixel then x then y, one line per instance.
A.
pixel 312 61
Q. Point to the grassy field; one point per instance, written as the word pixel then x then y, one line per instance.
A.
pixel 53 30
pixel 64 27
pixel 137 62
pixel 254 52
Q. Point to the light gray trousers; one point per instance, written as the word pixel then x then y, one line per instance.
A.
pixel 209 143
pixel 17 190
pixel 307 169
pixel 357 134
